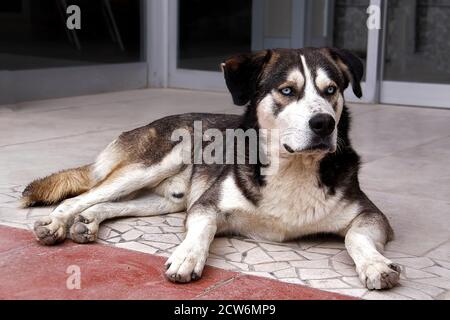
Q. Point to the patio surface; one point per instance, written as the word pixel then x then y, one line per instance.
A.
pixel 406 152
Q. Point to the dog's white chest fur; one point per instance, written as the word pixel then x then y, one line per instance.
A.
pixel 292 204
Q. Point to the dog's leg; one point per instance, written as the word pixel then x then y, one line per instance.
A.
pixel 86 225
pixel 187 261
pixel 364 240
pixel 122 182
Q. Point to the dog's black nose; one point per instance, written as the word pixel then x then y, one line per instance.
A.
pixel 322 124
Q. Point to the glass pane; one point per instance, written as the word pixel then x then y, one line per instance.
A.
pixel 211 31
pixel 350 26
pixel 418 41
pixel 34 33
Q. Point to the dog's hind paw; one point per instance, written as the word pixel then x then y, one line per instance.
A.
pixel 84 229
pixel 49 230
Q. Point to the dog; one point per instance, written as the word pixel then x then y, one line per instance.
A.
pixel 314 188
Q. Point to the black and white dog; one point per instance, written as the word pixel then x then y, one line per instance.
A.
pixel 313 189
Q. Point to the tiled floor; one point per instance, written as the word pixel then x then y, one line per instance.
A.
pixel 405 172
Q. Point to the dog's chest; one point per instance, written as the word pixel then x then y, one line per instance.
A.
pixel 294 200
pixel 292 204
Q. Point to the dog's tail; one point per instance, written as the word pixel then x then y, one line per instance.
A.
pixel 58 186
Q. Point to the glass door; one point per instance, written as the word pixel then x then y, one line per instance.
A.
pixel 204 33
pixel 416 63
pixel 53 48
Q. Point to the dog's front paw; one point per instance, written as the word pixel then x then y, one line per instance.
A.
pixel 84 229
pixel 186 263
pixel 379 275
pixel 49 230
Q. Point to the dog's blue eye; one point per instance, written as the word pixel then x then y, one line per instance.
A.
pixel 331 90
pixel 286 91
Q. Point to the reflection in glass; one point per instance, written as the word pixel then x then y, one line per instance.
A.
pixel 350 28
pixel 418 41
pixel 33 33
pixel 211 31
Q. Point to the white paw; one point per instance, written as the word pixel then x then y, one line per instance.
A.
pixel 49 230
pixel 84 229
pixel 378 275
pixel 186 263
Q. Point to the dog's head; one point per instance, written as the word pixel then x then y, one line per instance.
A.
pixel 298 91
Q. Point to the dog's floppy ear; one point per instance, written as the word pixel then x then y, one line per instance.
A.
pixel 241 74
pixel 351 66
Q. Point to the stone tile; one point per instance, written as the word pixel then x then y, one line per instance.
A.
pixel 236 257
pixel 384 295
pixel 242 246
pixel 136 246
pixel 312 256
pixel 350 292
pixel 324 250
pixel 332 244
pixel 132 235
pixel 442 263
pixel 222 251
pixel 416 263
pixel 414 219
pixel 436 282
pixel 317 274
pixel 329 284
pixel 166 238
pixel 339 265
pixel 392 255
pixel 158 245
pixel 343 257
pixel 286 273
pixel 348 272
pixel 271 267
pixel 272 247
pixel 175 222
pixel 353 281
pixel 411 293
pixel 113 240
pixel 443 251
pixel 444 296
pixel 104 232
pixel 221 242
pixel 153 220
pixel 411 273
pixel 256 256
pixel 174 229
pixel 260 274
pixel 379 133
pixel 240 266
pixel 315 264
pixel 428 289
pixel 118 226
pixel 294 281
pixel 148 229
pixel 285 256
pixel 219 263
